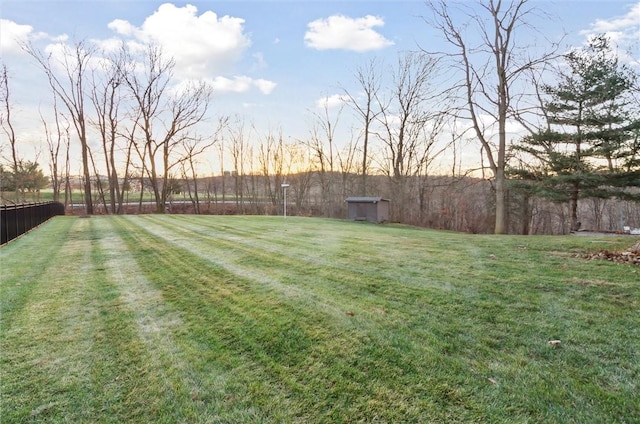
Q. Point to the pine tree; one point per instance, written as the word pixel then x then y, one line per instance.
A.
pixel 590 147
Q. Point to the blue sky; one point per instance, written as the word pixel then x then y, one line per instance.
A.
pixel 270 61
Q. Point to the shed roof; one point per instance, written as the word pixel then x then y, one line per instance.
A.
pixel 356 199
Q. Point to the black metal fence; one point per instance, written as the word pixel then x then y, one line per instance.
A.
pixel 16 220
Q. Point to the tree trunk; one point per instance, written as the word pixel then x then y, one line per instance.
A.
pixel 88 203
pixel 575 224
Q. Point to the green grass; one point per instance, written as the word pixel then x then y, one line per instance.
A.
pixel 237 319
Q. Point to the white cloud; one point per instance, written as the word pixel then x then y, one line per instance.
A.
pixel 12 34
pixel 623 31
pixel 342 32
pixel 630 20
pixel 202 45
pixel 240 84
pixel 109 44
pixel 61 53
pixel 121 27
pixel 333 101
pixel 265 86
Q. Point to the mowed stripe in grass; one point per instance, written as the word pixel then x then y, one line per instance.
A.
pixel 279 346
pixel 168 367
pixel 480 328
pixel 58 354
pixel 258 319
pixel 92 341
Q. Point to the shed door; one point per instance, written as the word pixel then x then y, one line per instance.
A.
pixel 361 210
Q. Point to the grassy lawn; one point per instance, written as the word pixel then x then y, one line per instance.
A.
pixel 235 319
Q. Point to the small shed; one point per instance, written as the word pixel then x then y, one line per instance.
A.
pixel 372 209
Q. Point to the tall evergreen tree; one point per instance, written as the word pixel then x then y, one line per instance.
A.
pixel 590 146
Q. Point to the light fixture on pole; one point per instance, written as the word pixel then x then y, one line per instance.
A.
pixel 284 189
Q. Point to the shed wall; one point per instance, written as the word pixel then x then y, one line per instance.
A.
pixel 368 211
pixel 383 211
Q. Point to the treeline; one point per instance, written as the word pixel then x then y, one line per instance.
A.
pixel 443 202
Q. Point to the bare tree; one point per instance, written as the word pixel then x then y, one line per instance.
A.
pixel 490 73
pixel 7 126
pixel 299 172
pixel 165 119
pixel 238 148
pixel 5 116
pixel 323 145
pixel 223 188
pixel 74 61
pixel 55 140
pixel 140 148
pixel 272 162
pixel 365 107
pixel 68 196
pixel 252 181
pixel 346 159
pixel 25 175
pixel 408 116
pixel 106 96
pixel 193 149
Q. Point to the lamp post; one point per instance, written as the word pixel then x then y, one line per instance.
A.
pixel 284 189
